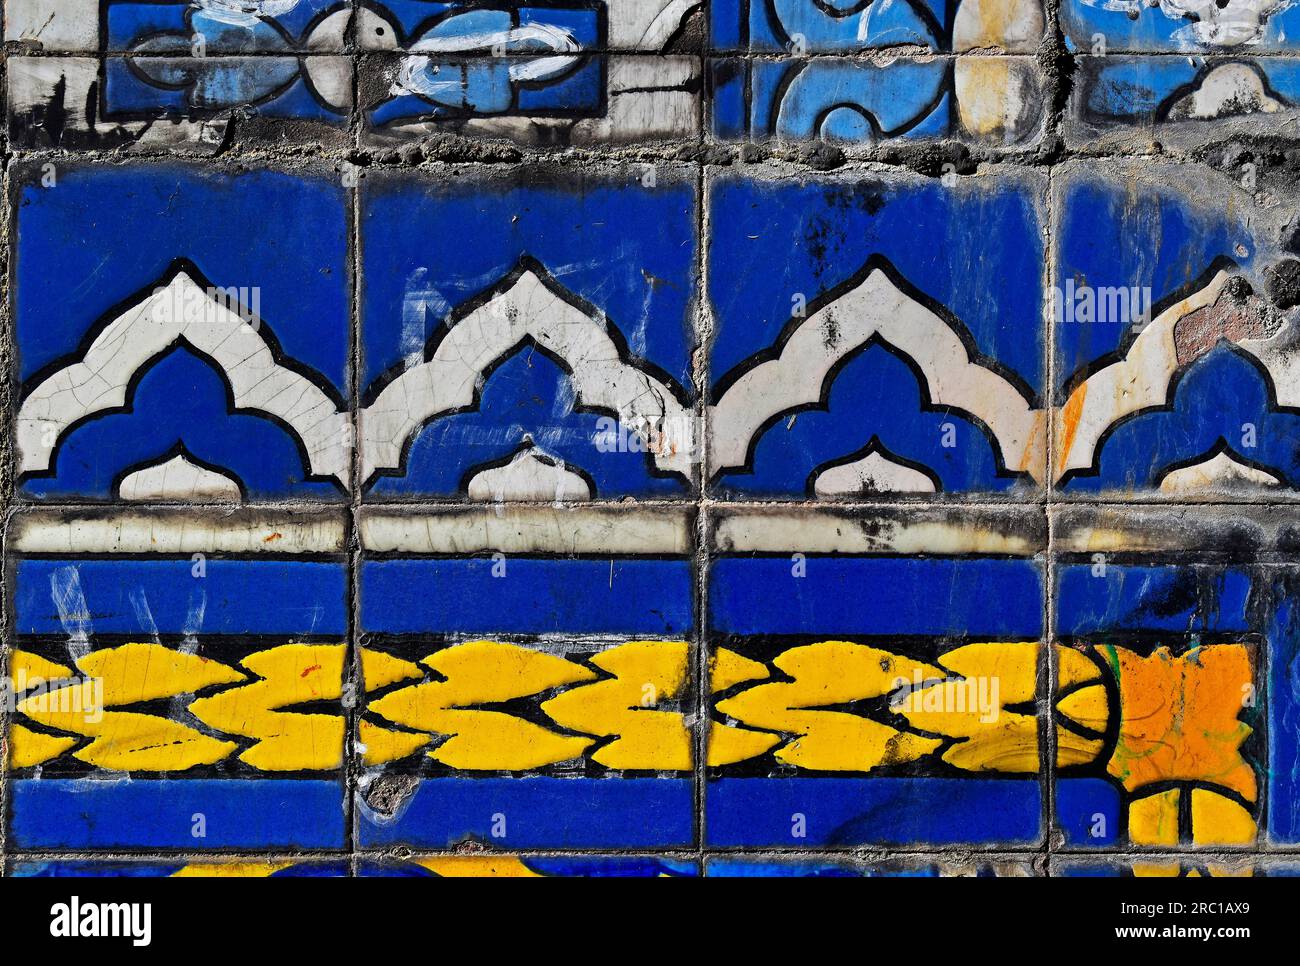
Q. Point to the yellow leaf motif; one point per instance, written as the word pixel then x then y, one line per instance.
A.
pixel 291 674
pixel 728 745
pixel 827 674
pixel 133 673
pixel 644 671
pixel 126 741
pixel 129 741
pixel 973 708
pixel 478 866
pixel 228 870
pixel 487 672
pixel 27 669
pixel 380 745
pixel 27 748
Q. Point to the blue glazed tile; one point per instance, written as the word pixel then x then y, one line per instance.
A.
pixel 140 27
pixel 190 62
pixel 1237 27
pixel 1170 867
pixel 635 596
pixel 847 708
pixel 1165 295
pixel 528 363
pixel 809 26
pixel 1128 102
pixel 308 88
pixel 207 361
pixel 517 28
pixel 848 364
pixel 489 62
pixel 456 90
pixel 999 101
pixel 1175 656
pixel 545 700
pixel 160 689
pixel 834 867
pixel 551 74
pixel 575 100
pixel 1157 90
pixel 176 104
pixel 527 29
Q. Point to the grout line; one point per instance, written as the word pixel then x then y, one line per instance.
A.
pixel 354 676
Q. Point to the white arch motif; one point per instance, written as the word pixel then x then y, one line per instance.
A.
pixel 876 307
pixel 525 308
pixel 182 309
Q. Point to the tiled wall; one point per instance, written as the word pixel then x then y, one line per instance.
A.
pixel 652 437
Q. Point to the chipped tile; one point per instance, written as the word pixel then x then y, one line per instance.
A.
pixel 1173 669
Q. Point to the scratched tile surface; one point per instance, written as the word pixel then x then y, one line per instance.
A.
pixel 1175 683
pixel 651 438
pixel 563 678
pixel 843 718
pixel 153 684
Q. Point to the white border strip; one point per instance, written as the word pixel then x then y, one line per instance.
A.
pixel 529 529
pixel 1019 531
pixel 245 530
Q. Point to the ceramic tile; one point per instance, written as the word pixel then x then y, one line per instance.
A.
pixel 194 30
pixel 146 105
pixel 181 697
pixel 650 438
pixel 1237 26
pixel 848 709
pixel 993 101
pixel 1132 104
pixel 206 362
pixel 837 867
pixel 547 28
pixel 1174 349
pixel 493 865
pixel 147 869
pixel 871 351
pixel 1180 867
pixel 613 99
pixel 1174 680
pixel 542 699
pixel 532 365
pixel 809 26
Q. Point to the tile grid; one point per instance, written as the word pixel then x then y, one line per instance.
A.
pixel 705 504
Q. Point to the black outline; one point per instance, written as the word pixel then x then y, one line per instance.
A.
pixel 1093 469
pixel 540 455
pixel 1221 446
pixel 1220 263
